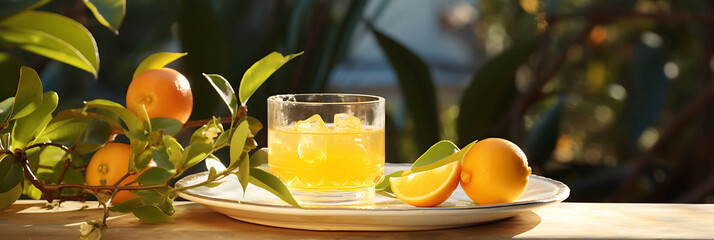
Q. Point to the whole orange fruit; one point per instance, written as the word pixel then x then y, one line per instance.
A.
pixel 109 164
pixel 494 171
pixel 164 92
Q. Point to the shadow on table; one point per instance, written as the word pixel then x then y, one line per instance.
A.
pixel 214 225
pixel 193 221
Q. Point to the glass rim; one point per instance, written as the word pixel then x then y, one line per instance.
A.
pixel 278 98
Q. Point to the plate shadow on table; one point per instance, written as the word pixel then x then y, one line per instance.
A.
pixel 216 225
pixel 193 221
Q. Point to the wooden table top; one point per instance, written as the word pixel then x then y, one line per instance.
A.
pixel 27 220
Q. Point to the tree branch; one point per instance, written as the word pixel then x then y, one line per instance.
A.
pixel 49 191
pixel 60 146
pixel 132 172
pixel 67 163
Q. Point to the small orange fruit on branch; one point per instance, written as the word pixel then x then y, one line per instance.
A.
pixel 109 164
pixel 164 92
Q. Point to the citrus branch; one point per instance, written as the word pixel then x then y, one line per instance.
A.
pixel 132 172
pixel 49 191
pixel 67 163
pixel 60 146
pixel 43 166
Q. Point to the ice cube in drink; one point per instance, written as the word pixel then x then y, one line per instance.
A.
pixel 342 156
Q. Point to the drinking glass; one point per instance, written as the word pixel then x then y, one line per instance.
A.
pixel 328 149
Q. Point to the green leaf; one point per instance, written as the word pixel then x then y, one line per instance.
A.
pixel 416 86
pixel 157 60
pixel 487 100
pixel 174 150
pixel 126 206
pixel 154 175
pixel 159 197
pixel 161 158
pixel 272 184
pixel 254 124
pixel 458 156
pixel 250 144
pixel 9 66
pixel 225 90
pixel 137 135
pixel 64 40
pixel 167 206
pixel 106 116
pixel 13 7
pixel 150 214
pixel 436 152
pixel 48 156
pixel 151 196
pixel 211 172
pixel 196 152
pixel 243 173
pixel 65 127
pixel 9 197
pixel 259 157
pixel 238 141
pixel 169 125
pixel 109 13
pixel 29 93
pixel 223 137
pixel 384 185
pixel 171 142
pixel 259 72
pixel 4 141
pixel 72 176
pixel 27 126
pixel 544 134
pixel 142 158
pixel 137 149
pixel 31 191
pixel 10 173
pixel 647 95
pixel 213 184
pixel 128 117
pixel 6 109
pixel 98 132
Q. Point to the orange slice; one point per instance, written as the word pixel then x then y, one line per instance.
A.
pixel 428 188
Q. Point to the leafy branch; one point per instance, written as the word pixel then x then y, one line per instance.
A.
pixel 37 136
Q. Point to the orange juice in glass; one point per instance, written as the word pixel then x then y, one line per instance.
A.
pixel 327 148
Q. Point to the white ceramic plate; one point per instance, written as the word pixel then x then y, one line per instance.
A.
pixel 387 214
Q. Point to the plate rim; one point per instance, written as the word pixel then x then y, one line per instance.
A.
pixel 562 193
